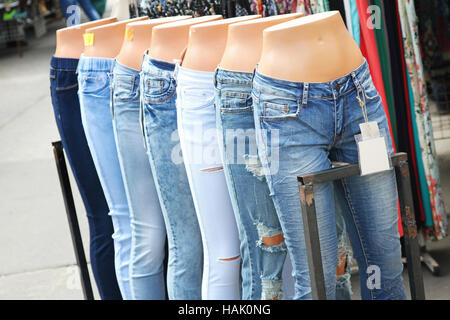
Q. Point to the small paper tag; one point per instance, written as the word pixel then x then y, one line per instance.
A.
pixel 129 35
pixel 88 39
pixel 369 130
pixel 373 156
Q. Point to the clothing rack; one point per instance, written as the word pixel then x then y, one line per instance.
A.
pixel 306 190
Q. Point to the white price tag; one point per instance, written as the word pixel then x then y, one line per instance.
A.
pixel 373 156
pixel 372 149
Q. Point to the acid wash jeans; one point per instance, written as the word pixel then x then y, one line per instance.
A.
pixel 262 247
pixel 204 167
pixel 148 232
pixel 301 128
pixel 95 99
pixel 66 106
pixel 159 124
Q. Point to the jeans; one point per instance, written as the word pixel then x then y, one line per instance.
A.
pixel 68 10
pixel 257 220
pixel 64 87
pixel 148 233
pixel 199 144
pixel 301 128
pixel 95 100
pixel 159 124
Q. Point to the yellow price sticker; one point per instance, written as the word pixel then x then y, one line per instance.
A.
pixel 88 39
pixel 129 35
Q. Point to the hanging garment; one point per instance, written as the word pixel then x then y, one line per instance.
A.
pixel 66 106
pixel 300 129
pixel 404 129
pixel 408 19
pixel 369 50
pixel 148 233
pixel 95 100
pixel 383 55
pixel 159 125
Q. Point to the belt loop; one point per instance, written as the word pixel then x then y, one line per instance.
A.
pixel 356 81
pixel 305 94
pixel 111 93
pixel 215 77
pixel 175 71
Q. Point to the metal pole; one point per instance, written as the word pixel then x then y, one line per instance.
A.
pixel 312 240
pixel 412 249
pixel 72 218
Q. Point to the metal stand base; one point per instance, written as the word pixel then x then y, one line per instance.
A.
pixel 72 218
pixel 306 189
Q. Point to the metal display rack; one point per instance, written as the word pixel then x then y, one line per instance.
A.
pixel 306 190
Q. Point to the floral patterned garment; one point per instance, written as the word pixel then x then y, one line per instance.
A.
pixel 409 26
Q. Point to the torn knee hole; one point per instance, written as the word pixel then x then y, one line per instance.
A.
pixel 229 259
pixel 211 169
pixel 273 240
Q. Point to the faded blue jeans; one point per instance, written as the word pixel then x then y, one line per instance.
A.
pixel 148 232
pixel 95 98
pixel 301 128
pixel 257 221
pixel 159 125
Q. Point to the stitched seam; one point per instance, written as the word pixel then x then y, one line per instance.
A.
pixel 67 88
pixel 352 210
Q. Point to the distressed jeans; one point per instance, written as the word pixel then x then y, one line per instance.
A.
pixel 262 245
pixel 95 99
pixel 148 232
pixel 204 167
pixel 301 128
pixel 159 124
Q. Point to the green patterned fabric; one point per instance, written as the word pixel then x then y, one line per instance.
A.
pixel 100 6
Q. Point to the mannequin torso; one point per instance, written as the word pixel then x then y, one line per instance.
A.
pixel 248 37
pixel 137 39
pixel 69 41
pixel 207 43
pixel 316 48
pixel 107 40
pixel 170 40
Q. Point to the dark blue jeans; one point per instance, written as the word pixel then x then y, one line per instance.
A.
pixel 64 87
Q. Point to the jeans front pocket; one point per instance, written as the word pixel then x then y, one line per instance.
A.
pixel 93 82
pixel 273 108
pixel 234 101
pixel 157 89
pixel 125 88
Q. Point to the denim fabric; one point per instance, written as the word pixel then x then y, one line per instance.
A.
pixel 64 87
pixel 199 143
pixel 148 232
pixel 301 128
pixel 95 100
pixel 159 124
pixel 255 213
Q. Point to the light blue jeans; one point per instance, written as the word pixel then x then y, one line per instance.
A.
pixel 255 214
pixel 159 124
pixel 95 98
pixel 301 128
pixel 148 232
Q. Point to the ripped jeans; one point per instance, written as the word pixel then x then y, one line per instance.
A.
pixel 199 144
pixel 262 243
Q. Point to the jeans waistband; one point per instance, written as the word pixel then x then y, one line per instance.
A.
pixel 316 90
pixel 222 76
pixel 200 78
pixel 87 64
pixel 167 66
pixel 64 64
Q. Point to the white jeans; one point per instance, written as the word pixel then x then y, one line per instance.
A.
pixel 201 153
